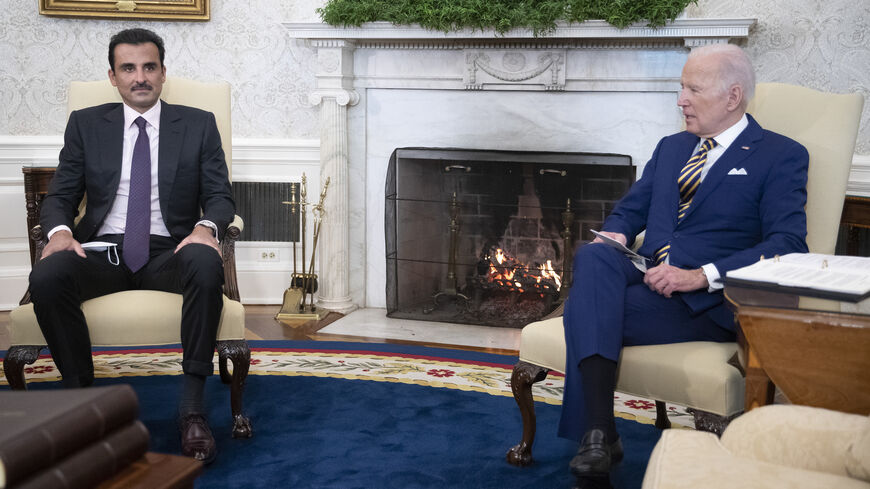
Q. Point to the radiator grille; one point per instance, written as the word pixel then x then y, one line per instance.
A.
pixel 266 218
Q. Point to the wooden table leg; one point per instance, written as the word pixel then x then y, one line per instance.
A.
pixel 759 388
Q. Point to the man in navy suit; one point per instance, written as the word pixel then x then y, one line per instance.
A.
pixel 157 188
pixel 713 198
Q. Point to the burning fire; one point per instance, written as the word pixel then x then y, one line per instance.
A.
pixel 512 274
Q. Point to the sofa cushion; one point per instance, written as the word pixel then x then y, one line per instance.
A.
pixel 693 459
pixel 858 454
pixel 798 436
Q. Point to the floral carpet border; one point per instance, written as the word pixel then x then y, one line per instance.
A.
pixel 428 371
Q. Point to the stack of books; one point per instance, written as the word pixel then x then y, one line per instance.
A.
pixel 69 438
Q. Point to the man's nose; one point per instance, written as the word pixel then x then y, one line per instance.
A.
pixel 681 99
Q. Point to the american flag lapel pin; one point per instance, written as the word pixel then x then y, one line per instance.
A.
pixel 744 147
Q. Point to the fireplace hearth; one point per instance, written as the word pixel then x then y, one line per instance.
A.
pixel 487 237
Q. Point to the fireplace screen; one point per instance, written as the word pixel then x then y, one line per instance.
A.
pixel 487 237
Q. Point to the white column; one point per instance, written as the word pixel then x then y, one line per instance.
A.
pixel 333 93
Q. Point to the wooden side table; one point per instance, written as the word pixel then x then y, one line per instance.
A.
pixel 156 471
pixel 815 358
pixel 856 214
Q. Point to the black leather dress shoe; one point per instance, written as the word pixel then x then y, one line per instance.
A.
pixel 196 438
pixel 595 456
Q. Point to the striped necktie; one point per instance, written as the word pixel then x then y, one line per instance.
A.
pixel 688 181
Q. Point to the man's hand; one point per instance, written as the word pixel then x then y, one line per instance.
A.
pixel 615 236
pixel 666 279
pixel 203 235
pixel 60 241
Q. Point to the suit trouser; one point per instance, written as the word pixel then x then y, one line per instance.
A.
pixel 610 307
pixel 60 282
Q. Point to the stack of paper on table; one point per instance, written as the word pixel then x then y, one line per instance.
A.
pixel 829 276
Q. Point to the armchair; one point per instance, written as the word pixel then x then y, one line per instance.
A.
pixel 142 317
pixel 704 376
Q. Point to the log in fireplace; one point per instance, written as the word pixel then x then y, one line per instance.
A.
pixel 487 237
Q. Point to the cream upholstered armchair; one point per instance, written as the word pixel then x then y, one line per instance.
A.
pixel 707 377
pixel 147 317
pixel 789 447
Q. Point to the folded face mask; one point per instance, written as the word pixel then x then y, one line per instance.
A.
pixel 111 250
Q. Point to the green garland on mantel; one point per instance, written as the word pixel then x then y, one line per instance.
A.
pixel 501 15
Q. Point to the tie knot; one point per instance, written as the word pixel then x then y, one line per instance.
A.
pixel 140 121
pixel 707 146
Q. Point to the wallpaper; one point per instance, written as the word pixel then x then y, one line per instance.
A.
pixel 821 44
pixel 243 43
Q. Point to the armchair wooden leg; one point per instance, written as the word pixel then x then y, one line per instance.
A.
pixel 524 375
pixel 712 423
pixel 13 365
pixel 236 351
pixel 662 421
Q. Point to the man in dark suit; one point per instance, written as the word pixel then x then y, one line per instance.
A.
pixel 711 199
pixel 157 191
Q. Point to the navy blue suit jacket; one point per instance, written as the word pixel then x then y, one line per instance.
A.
pixel 734 218
pixel 192 174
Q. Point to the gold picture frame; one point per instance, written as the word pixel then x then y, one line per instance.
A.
pixel 197 10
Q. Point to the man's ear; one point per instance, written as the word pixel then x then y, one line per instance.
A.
pixel 112 77
pixel 735 97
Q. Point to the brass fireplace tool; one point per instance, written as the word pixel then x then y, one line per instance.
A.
pixel 299 297
pixel 451 290
pixel 567 251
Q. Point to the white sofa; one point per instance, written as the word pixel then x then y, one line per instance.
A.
pixel 778 446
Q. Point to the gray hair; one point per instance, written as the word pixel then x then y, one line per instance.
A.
pixel 734 68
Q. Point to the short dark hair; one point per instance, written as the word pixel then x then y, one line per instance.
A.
pixel 134 36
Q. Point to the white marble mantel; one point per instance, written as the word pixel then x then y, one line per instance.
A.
pixel 685 29
pixel 581 87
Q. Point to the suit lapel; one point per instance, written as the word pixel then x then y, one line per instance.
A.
pixel 732 158
pixel 111 154
pixel 171 137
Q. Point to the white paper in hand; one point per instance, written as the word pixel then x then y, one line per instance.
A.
pixel 639 261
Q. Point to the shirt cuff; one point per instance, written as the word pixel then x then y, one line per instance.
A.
pixel 712 274
pixel 210 225
pixel 62 227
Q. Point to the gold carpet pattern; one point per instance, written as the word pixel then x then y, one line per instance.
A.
pixel 359 365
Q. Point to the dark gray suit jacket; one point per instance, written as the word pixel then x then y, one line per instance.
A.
pixel 192 172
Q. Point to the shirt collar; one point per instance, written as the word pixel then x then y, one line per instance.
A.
pixel 152 115
pixel 729 135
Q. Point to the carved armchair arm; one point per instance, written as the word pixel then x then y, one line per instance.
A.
pixel 228 251
pixel 38 240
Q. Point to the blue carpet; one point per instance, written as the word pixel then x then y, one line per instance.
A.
pixel 312 432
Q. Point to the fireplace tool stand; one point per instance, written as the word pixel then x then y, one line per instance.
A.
pixel 450 291
pixel 299 297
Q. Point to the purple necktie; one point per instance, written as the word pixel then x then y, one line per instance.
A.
pixel 138 227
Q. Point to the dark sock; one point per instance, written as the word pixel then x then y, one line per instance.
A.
pixel 191 395
pixel 77 381
pixel 599 379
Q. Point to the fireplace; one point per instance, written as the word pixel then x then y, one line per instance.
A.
pixel 380 87
pixel 487 237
